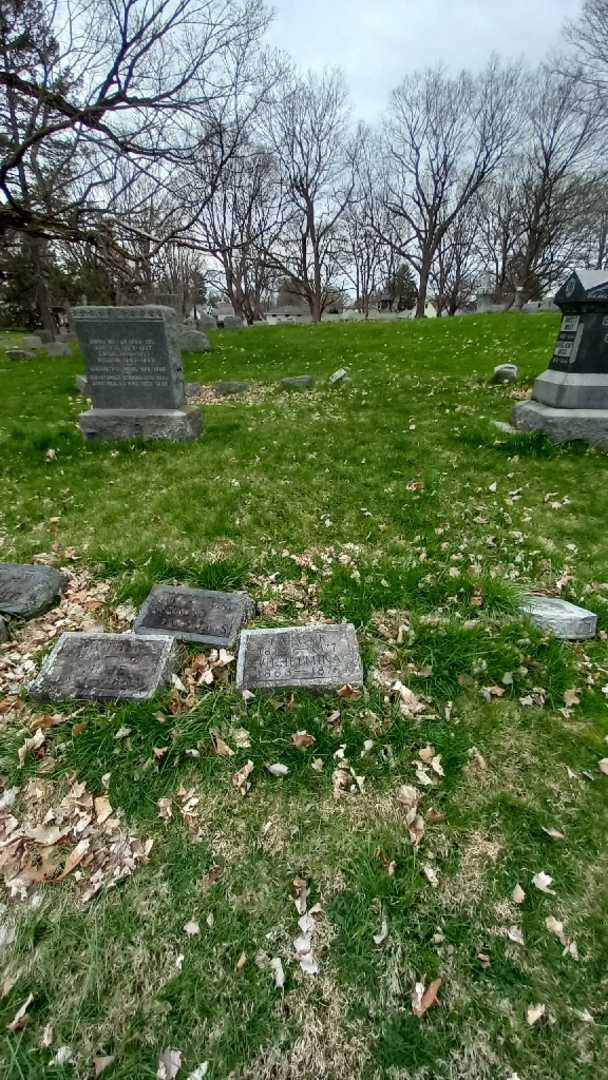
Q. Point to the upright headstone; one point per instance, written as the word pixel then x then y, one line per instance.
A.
pixel 58 348
pixel 316 657
pixel 192 340
pixel 570 398
pixel 106 667
pixel 134 374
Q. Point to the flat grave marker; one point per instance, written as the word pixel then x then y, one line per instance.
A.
pixel 200 615
pixel 105 667
pixel 567 621
pixel 27 589
pixel 316 657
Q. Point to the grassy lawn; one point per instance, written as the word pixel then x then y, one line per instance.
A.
pixel 393 504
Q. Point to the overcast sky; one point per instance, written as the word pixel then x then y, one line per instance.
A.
pixel 376 42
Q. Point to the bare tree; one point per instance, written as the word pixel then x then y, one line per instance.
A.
pixel 455 268
pixel 309 131
pixel 86 84
pixel 446 136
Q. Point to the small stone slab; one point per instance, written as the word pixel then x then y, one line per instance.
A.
pixel 505 373
pixel 298 382
pixel 316 657
pixel 225 389
pixel 339 376
pixel 58 348
pixel 20 354
pixel 106 667
pixel 27 589
pixel 565 620
pixel 32 341
pixel 201 615
pixel 232 322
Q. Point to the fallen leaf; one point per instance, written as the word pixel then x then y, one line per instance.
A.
pixel 277 769
pixel 35 743
pixel 100 1064
pixel 409 704
pixel 436 765
pixel 192 928
pixel 555 834
pixel 302 740
pixel 20 1018
pixel 348 691
pixel 63 1056
pixel 220 747
pixel 200 1072
pixel 430 875
pixel 484 959
pixel 241 738
pixel 422 999
pixel 427 753
pixel 122 733
pixel 571 698
pixel 300 898
pixel 535 1013
pixel 169 1064
pixel 103 808
pixel 75 857
pixel 240 778
pixel 165 810
pixel 381 937
pixel 516 935
pixel 278 974
pixel 518 895
pixel 543 882
pixel 603 765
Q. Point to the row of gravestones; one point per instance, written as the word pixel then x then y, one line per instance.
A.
pixel 135 666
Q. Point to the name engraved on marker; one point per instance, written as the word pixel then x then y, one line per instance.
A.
pixel 570 324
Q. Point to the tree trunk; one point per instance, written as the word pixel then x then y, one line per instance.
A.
pixel 314 303
pixel 43 303
pixel 425 271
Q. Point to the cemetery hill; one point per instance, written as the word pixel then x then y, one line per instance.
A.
pixel 303 561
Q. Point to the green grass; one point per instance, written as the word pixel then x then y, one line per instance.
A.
pixel 393 503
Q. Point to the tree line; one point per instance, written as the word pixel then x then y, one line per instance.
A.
pixel 158 146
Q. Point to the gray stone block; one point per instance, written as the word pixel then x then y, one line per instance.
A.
pixel 175 425
pixel 505 373
pixel 563 425
pixel 81 384
pixel 340 376
pixel 572 390
pixel 206 322
pixel 58 348
pixel 32 341
pixel 201 615
pixel 27 589
pixel 298 382
pixel 225 389
pixel 317 657
pixel 191 340
pixel 106 667
pixel 232 322
pixel 563 619
pixel 20 354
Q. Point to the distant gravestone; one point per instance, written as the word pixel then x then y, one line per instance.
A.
pixel 20 354
pixel 32 341
pixel 205 322
pixel 27 589
pixel 298 382
pixel 191 340
pixel 570 399
pixel 58 348
pixel 505 373
pixel 562 618
pixel 316 657
pixel 106 667
pixel 201 615
pixel 226 389
pixel 232 322
pixel 134 374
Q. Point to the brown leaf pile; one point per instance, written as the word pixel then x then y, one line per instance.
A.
pixel 79 834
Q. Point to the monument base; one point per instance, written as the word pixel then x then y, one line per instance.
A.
pixel 563 425
pixel 572 389
pixel 174 425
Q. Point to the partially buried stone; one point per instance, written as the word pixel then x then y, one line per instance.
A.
pixel 191 340
pixel 106 667
pixel 27 589
pixel 225 389
pixel 298 382
pixel 339 376
pixel 201 615
pixel 565 620
pixel 316 657
pixel 232 322
pixel 58 348
pixel 505 373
